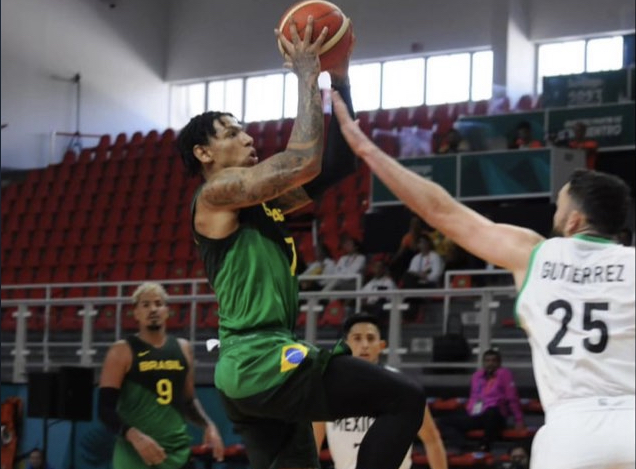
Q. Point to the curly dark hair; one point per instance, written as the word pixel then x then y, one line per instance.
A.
pixel 197 132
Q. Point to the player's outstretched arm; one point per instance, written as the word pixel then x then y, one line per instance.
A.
pixel 503 245
pixel 338 161
pixel 194 411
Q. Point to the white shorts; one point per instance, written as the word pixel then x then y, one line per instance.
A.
pixel 590 433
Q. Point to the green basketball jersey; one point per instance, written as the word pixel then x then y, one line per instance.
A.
pixel 253 273
pixel 152 401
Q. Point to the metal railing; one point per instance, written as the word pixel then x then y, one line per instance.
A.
pixel 90 307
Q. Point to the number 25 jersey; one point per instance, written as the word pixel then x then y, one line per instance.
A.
pixel 577 307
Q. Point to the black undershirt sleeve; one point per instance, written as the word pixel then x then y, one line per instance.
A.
pixel 107 411
pixel 338 161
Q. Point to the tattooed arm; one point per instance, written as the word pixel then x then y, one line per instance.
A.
pixel 235 187
pixel 338 160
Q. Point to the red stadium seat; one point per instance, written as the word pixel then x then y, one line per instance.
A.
pixel 8 320
pixel 138 271
pixel 459 109
pixel 333 315
pixel 420 117
pixel 480 108
pixel 66 319
pixel 51 258
pixel 524 103
pixel 381 120
pixel 388 141
pixel 364 122
pixel 401 118
pixel 158 271
pixel 328 203
pixel 105 319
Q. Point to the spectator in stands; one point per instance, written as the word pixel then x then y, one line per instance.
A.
pixel 351 262
pixel 626 237
pixel 519 458
pixel 493 397
pixel 36 460
pixel 425 271
pixel 426 267
pixel 381 280
pixel 146 405
pixel 323 265
pixel 581 142
pixel 524 138
pixel 453 142
pixel 408 248
pixel 362 335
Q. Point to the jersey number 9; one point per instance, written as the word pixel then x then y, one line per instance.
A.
pixel 164 391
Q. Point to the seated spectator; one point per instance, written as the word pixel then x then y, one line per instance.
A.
pixel 323 265
pixel 524 138
pixel 453 142
pixel 493 397
pixel 426 267
pixel 425 271
pixel 381 280
pixel 519 459
pixel 351 262
pixel 579 141
pixel 408 248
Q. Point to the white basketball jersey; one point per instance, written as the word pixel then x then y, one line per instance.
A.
pixel 344 437
pixel 577 307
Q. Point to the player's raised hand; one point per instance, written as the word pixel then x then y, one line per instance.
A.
pixel 301 55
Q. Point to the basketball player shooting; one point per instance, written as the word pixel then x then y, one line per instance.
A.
pixel 272 385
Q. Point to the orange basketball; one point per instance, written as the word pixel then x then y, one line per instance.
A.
pixel 339 36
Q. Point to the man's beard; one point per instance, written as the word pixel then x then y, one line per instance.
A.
pixel 153 327
pixel 555 232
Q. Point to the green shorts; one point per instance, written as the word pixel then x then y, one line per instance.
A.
pixel 275 424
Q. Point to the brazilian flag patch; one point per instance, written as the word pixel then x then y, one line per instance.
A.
pixel 292 356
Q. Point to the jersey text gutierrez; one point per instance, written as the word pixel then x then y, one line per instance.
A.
pixel 583 275
pixel 152 365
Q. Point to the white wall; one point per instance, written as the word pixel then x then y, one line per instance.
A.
pixel 120 54
pixel 213 39
pixel 126 55
pixel 567 18
pixel 216 39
